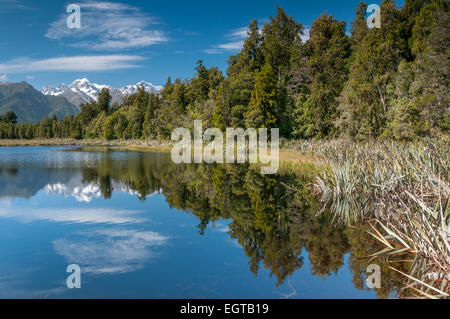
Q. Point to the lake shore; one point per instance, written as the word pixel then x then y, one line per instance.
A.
pixel 85 142
pixel 287 155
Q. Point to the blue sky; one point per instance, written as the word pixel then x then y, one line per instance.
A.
pixel 123 42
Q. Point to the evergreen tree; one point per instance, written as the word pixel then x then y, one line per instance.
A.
pixel 420 95
pixel 329 50
pixel 9 117
pixel 364 101
pixel 262 108
pixel 104 100
pixel 281 37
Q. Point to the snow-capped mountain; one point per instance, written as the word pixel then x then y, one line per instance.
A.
pixel 131 89
pixel 83 91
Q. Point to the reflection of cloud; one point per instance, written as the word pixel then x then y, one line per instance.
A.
pixel 73 215
pixel 13 4
pixel 5 201
pixel 111 250
pixel 17 285
pixel 222 228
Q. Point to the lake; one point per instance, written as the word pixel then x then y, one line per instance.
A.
pixel 140 226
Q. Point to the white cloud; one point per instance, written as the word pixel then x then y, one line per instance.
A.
pixel 213 51
pixel 239 33
pixel 109 26
pixel 87 63
pixel 232 46
pixel 12 4
pixel 235 42
pixel 29 77
pixel 3 77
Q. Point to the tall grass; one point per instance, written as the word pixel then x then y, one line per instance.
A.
pixel 402 190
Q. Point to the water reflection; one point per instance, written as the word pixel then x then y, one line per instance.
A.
pixel 272 218
pixel 110 250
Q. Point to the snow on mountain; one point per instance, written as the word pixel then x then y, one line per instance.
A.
pixel 131 89
pixel 86 192
pixel 83 91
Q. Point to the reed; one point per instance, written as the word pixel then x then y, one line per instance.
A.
pixel 402 190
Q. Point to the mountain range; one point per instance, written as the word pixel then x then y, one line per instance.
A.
pixel 83 91
pixel 31 105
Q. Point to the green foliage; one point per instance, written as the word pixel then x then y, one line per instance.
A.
pixel 262 108
pixel 31 105
pixel 391 82
pixel 9 117
pixel 328 49
pixel 104 100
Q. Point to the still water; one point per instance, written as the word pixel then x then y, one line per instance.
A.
pixel 140 226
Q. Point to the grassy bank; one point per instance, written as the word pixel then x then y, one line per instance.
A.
pixel 402 192
pixel 290 157
pixel 129 144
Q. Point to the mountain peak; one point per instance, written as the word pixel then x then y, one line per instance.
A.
pixel 31 105
pixel 83 80
pixel 84 91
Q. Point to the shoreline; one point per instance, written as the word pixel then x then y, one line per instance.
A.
pixel 287 155
pixel 83 142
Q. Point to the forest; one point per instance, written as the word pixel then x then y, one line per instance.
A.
pixel 380 83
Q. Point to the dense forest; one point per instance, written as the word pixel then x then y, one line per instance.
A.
pixel 388 82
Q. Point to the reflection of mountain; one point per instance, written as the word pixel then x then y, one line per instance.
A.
pixel 83 192
pixel 27 180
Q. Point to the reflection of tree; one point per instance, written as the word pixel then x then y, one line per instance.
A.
pixel 105 186
pixel 272 216
pixel 326 244
pixel 363 245
pixel 12 171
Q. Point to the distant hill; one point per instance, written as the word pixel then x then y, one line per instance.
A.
pixel 31 105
